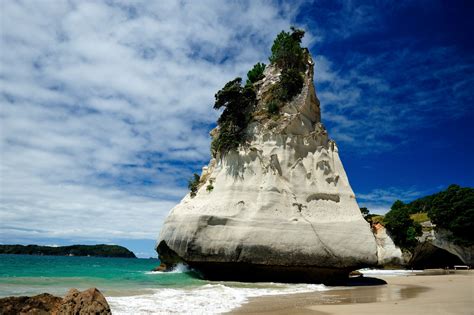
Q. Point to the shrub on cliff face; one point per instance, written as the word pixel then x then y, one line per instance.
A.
pixel 193 184
pixel 273 107
pixel 401 227
pixel 291 83
pixel 255 74
pixel 238 103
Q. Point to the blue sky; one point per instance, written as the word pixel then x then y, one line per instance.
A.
pixel 106 106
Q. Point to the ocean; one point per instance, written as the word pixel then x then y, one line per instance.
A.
pixel 129 285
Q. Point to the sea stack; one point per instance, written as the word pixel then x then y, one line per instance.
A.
pixel 279 207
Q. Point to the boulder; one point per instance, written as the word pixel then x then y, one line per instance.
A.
pixel 87 302
pixel 281 207
pixel 41 304
pixel 161 267
pixel 90 301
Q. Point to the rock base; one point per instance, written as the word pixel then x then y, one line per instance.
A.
pixel 268 273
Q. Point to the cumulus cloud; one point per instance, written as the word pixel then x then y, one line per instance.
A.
pixel 106 107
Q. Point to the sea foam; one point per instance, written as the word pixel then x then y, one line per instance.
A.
pixel 180 268
pixel 215 298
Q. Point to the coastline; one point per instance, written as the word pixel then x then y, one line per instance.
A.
pixel 429 294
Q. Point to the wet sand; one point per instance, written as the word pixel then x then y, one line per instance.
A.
pixel 428 294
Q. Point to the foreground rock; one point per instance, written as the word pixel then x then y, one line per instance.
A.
pixel 39 304
pixel 281 207
pixel 90 301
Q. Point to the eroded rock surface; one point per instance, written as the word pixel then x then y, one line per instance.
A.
pixel 387 252
pixel 281 207
pixel 87 302
pixel 42 304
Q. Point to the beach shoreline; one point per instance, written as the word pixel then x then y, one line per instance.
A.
pixel 414 294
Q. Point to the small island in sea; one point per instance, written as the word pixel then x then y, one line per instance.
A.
pixel 100 250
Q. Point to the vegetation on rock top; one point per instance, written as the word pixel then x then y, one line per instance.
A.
pixel 288 55
pixel 239 101
pixel 255 74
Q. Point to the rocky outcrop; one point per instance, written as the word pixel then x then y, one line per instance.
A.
pixel 442 240
pixel 90 301
pixel 428 256
pixel 87 302
pixel 388 254
pixel 281 207
pixel 41 304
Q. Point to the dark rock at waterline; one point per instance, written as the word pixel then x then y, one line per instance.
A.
pixel 362 281
pixel 90 301
pixel 161 267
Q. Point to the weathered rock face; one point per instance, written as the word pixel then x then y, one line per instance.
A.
pixel 387 252
pixel 90 301
pixel 281 207
pixel 87 302
pixel 442 241
pixel 426 255
pixel 41 304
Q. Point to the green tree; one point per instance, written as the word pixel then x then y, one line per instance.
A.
pixel 453 209
pixel 287 51
pixel 401 227
pixel 255 74
pixel 365 212
pixel 291 83
pixel 288 55
pixel 238 103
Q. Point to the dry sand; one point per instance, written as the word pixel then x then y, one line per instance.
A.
pixel 427 295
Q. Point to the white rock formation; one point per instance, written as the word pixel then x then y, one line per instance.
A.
pixel 281 207
pixel 387 252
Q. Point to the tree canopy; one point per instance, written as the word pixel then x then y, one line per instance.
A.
pixel 401 227
pixel 238 103
pixel 287 51
pixel 255 74
pixel 453 209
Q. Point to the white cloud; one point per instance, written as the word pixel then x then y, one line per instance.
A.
pixel 380 200
pixel 106 107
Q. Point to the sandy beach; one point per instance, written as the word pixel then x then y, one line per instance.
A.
pixel 421 294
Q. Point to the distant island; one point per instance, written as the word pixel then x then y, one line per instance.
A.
pixel 100 250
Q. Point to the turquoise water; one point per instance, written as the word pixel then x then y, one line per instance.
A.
pixel 28 275
pixel 129 285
